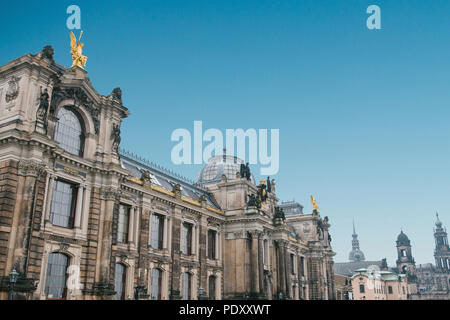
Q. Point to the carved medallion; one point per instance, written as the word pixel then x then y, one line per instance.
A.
pixel 13 89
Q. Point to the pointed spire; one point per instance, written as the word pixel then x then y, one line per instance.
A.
pixel 354 232
pixel 438 222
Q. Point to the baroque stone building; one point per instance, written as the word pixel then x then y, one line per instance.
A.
pixel 434 280
pixel 82 219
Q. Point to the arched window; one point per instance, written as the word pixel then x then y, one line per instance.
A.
pixel 187 286
pixel 120 281
pixel 212 288
pixel 403 253
pixel 69 132
pixel 55 284
pixel 405 269
pixel 156 284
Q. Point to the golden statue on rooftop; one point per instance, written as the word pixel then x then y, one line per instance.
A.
pixel 77 51
pixel 314 203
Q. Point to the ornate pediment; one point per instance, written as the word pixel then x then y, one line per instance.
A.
pixel 80 98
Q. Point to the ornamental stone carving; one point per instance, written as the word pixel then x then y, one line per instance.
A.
pixel 31 168
pixel 115 136
pixel 146 178
pixel 41 114
pixel 177 191
pixel 109 193
pixel 117 94
pixel 64 247
pixel 47 53
pixel 13 89
pixel 80 98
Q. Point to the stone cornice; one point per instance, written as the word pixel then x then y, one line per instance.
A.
pixel 29 61
pixel 50 147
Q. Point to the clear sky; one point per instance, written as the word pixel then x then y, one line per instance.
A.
pixel 363 115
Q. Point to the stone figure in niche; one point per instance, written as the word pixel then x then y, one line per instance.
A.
pixel 115 135
pixel 41 114
pixel 251 200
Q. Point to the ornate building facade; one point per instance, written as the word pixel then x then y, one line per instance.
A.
pixel 82 219
pixel 434 280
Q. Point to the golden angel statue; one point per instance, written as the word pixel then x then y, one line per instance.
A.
pixel 77 51
pixel 314 203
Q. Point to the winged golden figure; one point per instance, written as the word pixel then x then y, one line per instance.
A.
pixel 314 203
pixel 77 51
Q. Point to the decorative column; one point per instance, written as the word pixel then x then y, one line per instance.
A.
pixel 282 267
pixel 86 208
pixel 44 204
pixel 175 252
pixel 169 234
pixel 21 232
pixel 218 238
pixel 79 207
pixel 196 239
pixel 108 195
pixel 51 185
pixel 286 269
pixel 136 229
pixel 131 226
pixel 254 263
pixel 261 263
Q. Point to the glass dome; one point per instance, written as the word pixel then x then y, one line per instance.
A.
pixel 218 166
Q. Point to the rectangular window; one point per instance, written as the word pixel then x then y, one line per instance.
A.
pixel 390 290
pixel 63 205
pixel 186 286
pixel 301 266
pixel 292 263
pixel 55 284
pixel 157 239
pixel 186 240
pixel 123 224
pixel 212 244
pixel 156 284
pixel 361 288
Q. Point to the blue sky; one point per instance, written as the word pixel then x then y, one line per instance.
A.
pixel 363 115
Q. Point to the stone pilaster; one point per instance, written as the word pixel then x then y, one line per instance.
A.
pixel 254 263
pixel 175 290
pixel 108 197
pixel 261 264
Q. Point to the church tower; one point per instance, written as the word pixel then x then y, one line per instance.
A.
pixel 405 261
pixel 441 252
pixel 356 254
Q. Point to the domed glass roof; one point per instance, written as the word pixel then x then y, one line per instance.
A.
pixel 218 166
